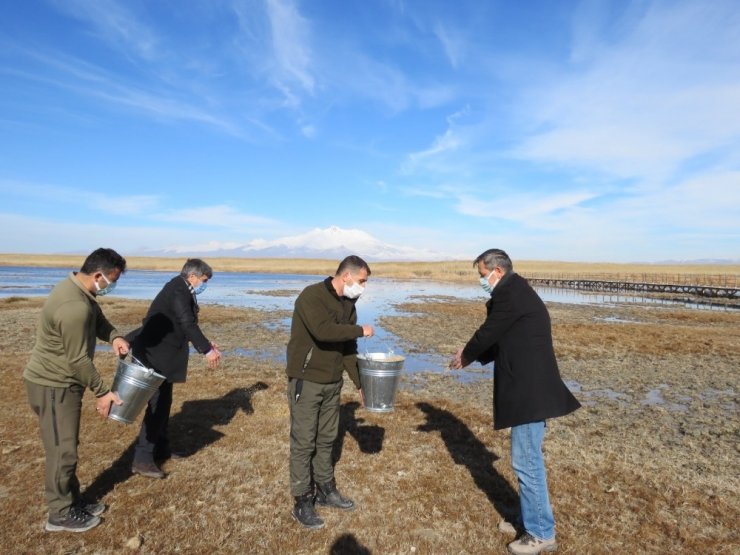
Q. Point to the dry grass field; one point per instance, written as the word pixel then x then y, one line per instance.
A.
pixel 650 464
pixel 461 270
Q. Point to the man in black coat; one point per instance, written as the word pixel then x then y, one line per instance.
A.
pixel 162 343
pixel 528 390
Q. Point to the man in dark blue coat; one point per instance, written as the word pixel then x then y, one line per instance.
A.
pixel 528 390
pixel 162 343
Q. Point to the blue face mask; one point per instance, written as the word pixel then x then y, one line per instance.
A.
pixel 487 287
pixel 202 287
pixel 107 289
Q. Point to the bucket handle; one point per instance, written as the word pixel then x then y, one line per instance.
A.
pixel 138 362
pixel 382 346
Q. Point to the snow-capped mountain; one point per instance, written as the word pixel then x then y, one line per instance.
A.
pixel 331 242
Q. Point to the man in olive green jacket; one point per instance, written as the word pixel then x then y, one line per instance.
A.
pixel 323 344
pixel 60 369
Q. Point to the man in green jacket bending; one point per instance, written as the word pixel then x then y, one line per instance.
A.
pixel 323 343
pixel 60 369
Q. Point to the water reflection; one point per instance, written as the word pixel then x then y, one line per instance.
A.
pixel 278 292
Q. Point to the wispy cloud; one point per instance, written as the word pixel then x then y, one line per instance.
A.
pixel 291 37
pixel 451 140
pixel 102 203
pixel 453 42
pixel 218 216
pixel 114 23
pixel 528 209
pixel 85 79
pixel 660 94
pixel 276 40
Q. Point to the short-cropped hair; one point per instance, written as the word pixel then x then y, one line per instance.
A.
pixel 196 266
pixel 352 263
pixel 103 260
pixel 493 258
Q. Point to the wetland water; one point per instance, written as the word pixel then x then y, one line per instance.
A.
pixel 277 292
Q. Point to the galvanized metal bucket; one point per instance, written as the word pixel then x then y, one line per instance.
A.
pixel 135 384
pixel 379 377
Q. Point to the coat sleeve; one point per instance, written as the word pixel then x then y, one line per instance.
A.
pixel 483 345
pixel 71 321
pixel 104 329
pixel 182 310
pixel 317 319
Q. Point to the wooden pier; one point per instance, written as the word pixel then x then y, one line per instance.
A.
pixel 638 287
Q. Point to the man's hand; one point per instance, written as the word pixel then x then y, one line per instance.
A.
pixel 120 346
pixel 362 398
pixel 103 404
pixel 367 331
pixel 213 357
pixel 458 361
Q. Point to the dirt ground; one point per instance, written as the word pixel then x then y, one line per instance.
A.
pixel 650 464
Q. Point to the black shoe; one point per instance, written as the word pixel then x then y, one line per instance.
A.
pixel 76 520
pixel 304 512
pixel 95 509
pixel 327 495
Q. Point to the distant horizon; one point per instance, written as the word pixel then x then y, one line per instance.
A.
pixel 135 255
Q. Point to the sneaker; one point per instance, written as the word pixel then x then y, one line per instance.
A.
pixel 529 545
pixel 150 470
pixel 304 512
pixel 95 509
pixel 327 495
pixel 76 520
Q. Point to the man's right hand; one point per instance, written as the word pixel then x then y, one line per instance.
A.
pixel 367 331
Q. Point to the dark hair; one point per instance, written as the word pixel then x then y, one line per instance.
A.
pixel 495 258
pixel 103 260
pixel 353 264
pixel 196 266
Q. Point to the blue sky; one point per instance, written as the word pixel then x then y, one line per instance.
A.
pixel 583 131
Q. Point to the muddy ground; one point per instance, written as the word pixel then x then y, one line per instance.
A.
pixel 650 464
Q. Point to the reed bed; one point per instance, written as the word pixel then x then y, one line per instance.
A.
pixel 721 275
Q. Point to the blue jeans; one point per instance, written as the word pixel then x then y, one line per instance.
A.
pixel 529 467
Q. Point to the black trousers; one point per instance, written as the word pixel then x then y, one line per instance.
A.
pixel 153 442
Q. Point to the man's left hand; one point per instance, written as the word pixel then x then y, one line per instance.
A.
pixel 458 361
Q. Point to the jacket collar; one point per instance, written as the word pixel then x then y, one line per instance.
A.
pixel 340 298
pixel 504 280
pixel 78 283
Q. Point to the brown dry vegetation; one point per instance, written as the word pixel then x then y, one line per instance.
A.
pixel 431 477
pixel 725 275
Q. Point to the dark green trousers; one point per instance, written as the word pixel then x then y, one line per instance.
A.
pixel 58 409
pixel 314 424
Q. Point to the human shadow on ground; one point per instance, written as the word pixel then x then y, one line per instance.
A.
pixel 466 449
pixel 369 437
pixel 190 430
pixel 347 544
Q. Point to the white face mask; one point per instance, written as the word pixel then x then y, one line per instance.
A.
pixel 353 291
pixel 107 289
